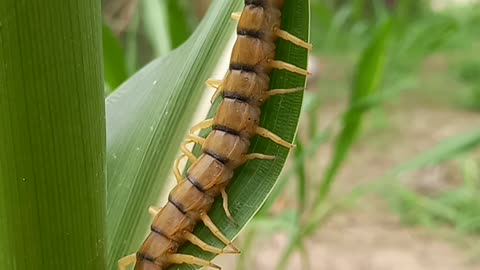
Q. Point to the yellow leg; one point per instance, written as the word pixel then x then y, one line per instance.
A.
pixel 295 40
pixel 154 210
pixel 214 83
pixel 186 152
pixel 281 34
pixel 196 139
pixel 189 259
pixel 268 134
pixel 126 261
pixel 204 124
pixel 282 65
pixel 225 207
pixel 217 84
pixel 214 229
pixel 204 246
pixel 259 156
pixel 176 170
pixel 236 16
pixel 275 92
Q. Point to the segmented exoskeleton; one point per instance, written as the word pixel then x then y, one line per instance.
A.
pixel 244 89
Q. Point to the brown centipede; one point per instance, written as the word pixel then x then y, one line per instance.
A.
pixel 244 90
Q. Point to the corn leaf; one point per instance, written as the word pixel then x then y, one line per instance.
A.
pixel 148 116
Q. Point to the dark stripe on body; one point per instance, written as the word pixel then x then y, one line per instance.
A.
pixel 217 157
pixel 195 183
pixel 250 33
pixel 158 231
pixel 226 130
pixel 177 205
pixel 242 67
pixel 257 3
pixel 146 257
pixel 235 96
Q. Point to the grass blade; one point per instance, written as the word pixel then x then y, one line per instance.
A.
pixel 444 150
pixel 367 78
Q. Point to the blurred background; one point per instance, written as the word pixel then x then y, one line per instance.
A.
pixel 386 171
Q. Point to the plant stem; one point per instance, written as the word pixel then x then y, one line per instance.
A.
pixel 52 136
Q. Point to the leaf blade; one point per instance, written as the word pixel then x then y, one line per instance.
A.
pixel 146 119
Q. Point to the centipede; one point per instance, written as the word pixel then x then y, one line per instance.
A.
pixel 243 91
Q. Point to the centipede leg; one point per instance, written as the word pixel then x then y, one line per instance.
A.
pixel 189 259
pixel 196 139
pixel 217 84
pixel 186 152
pixel 275 92
pixel 268 134
pixel 283 65
pixel 154 210
pixel 295 40
pixel 126 261
pixel 191 138
pixel 214 229
pixel 204 124
pixel 259 156
pixel 214 83
pixel 236 16
pixel 176 170
pixel 225 207
pixel 204 246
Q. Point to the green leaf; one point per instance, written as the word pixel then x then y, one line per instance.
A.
pixel 156 25
pixel 166 22
pixel 52 136
pixel 149 115
pixel 114 64
pixel 180 20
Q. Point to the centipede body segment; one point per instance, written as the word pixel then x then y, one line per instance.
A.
pixel 244 89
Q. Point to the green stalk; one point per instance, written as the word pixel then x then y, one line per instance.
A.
pixel 52 136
